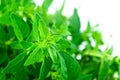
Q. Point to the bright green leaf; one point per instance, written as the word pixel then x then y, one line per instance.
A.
pixel 35 27
pixel 20 27
pixel 40 30
pixel 103 71
pixel 36 56
pixel 53 54
pixel 5 18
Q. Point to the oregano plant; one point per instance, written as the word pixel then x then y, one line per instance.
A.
pixel 34 45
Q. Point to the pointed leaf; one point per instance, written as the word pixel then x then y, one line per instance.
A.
pixel 43 29
pixel 45 68
pixel 75 21
pixel 74 27
pixel 40 30
pixel 53 54
pixel 103 71
pixel 36 56
pixel 63 69
pixel 20 27
pixel 35 28
pixel 46 4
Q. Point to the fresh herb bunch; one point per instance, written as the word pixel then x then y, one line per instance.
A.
pixel 34 45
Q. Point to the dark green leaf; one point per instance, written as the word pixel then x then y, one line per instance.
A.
pixel 21 74
pixel 85 77
pixel 3 57
pixel 45 68
pixel 13 64
pixel 2 35
pixel 73 68
pixel 2 75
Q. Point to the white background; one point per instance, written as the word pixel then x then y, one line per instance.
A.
pixel 106 13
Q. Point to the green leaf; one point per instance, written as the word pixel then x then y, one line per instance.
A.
pixel 35 28
pixel 75 21
pixel 63 44
pixel 59 18
pixel 2 34
pixel 74 27
pixel 26 2
pixel 114 65
pixel 53 54
pixel 20 45
pixel 63 69
pixel 73 68
pixel 46 4
pixel 36 56
pixel 45 68
pixel 3 56
pixel 63 29
pixel 20 27
pixel 97 36
pixel 21 74
pixel 43 29
pixel 2 75
pixel 5 18
pixel 40 30
pixel 103 71
pixel 13 64
pixel 16 45
pixel 26 44
pixel 85 77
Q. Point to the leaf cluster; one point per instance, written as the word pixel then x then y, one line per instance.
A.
pixel 34 45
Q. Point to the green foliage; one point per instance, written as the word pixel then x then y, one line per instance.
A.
pixel 34 45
